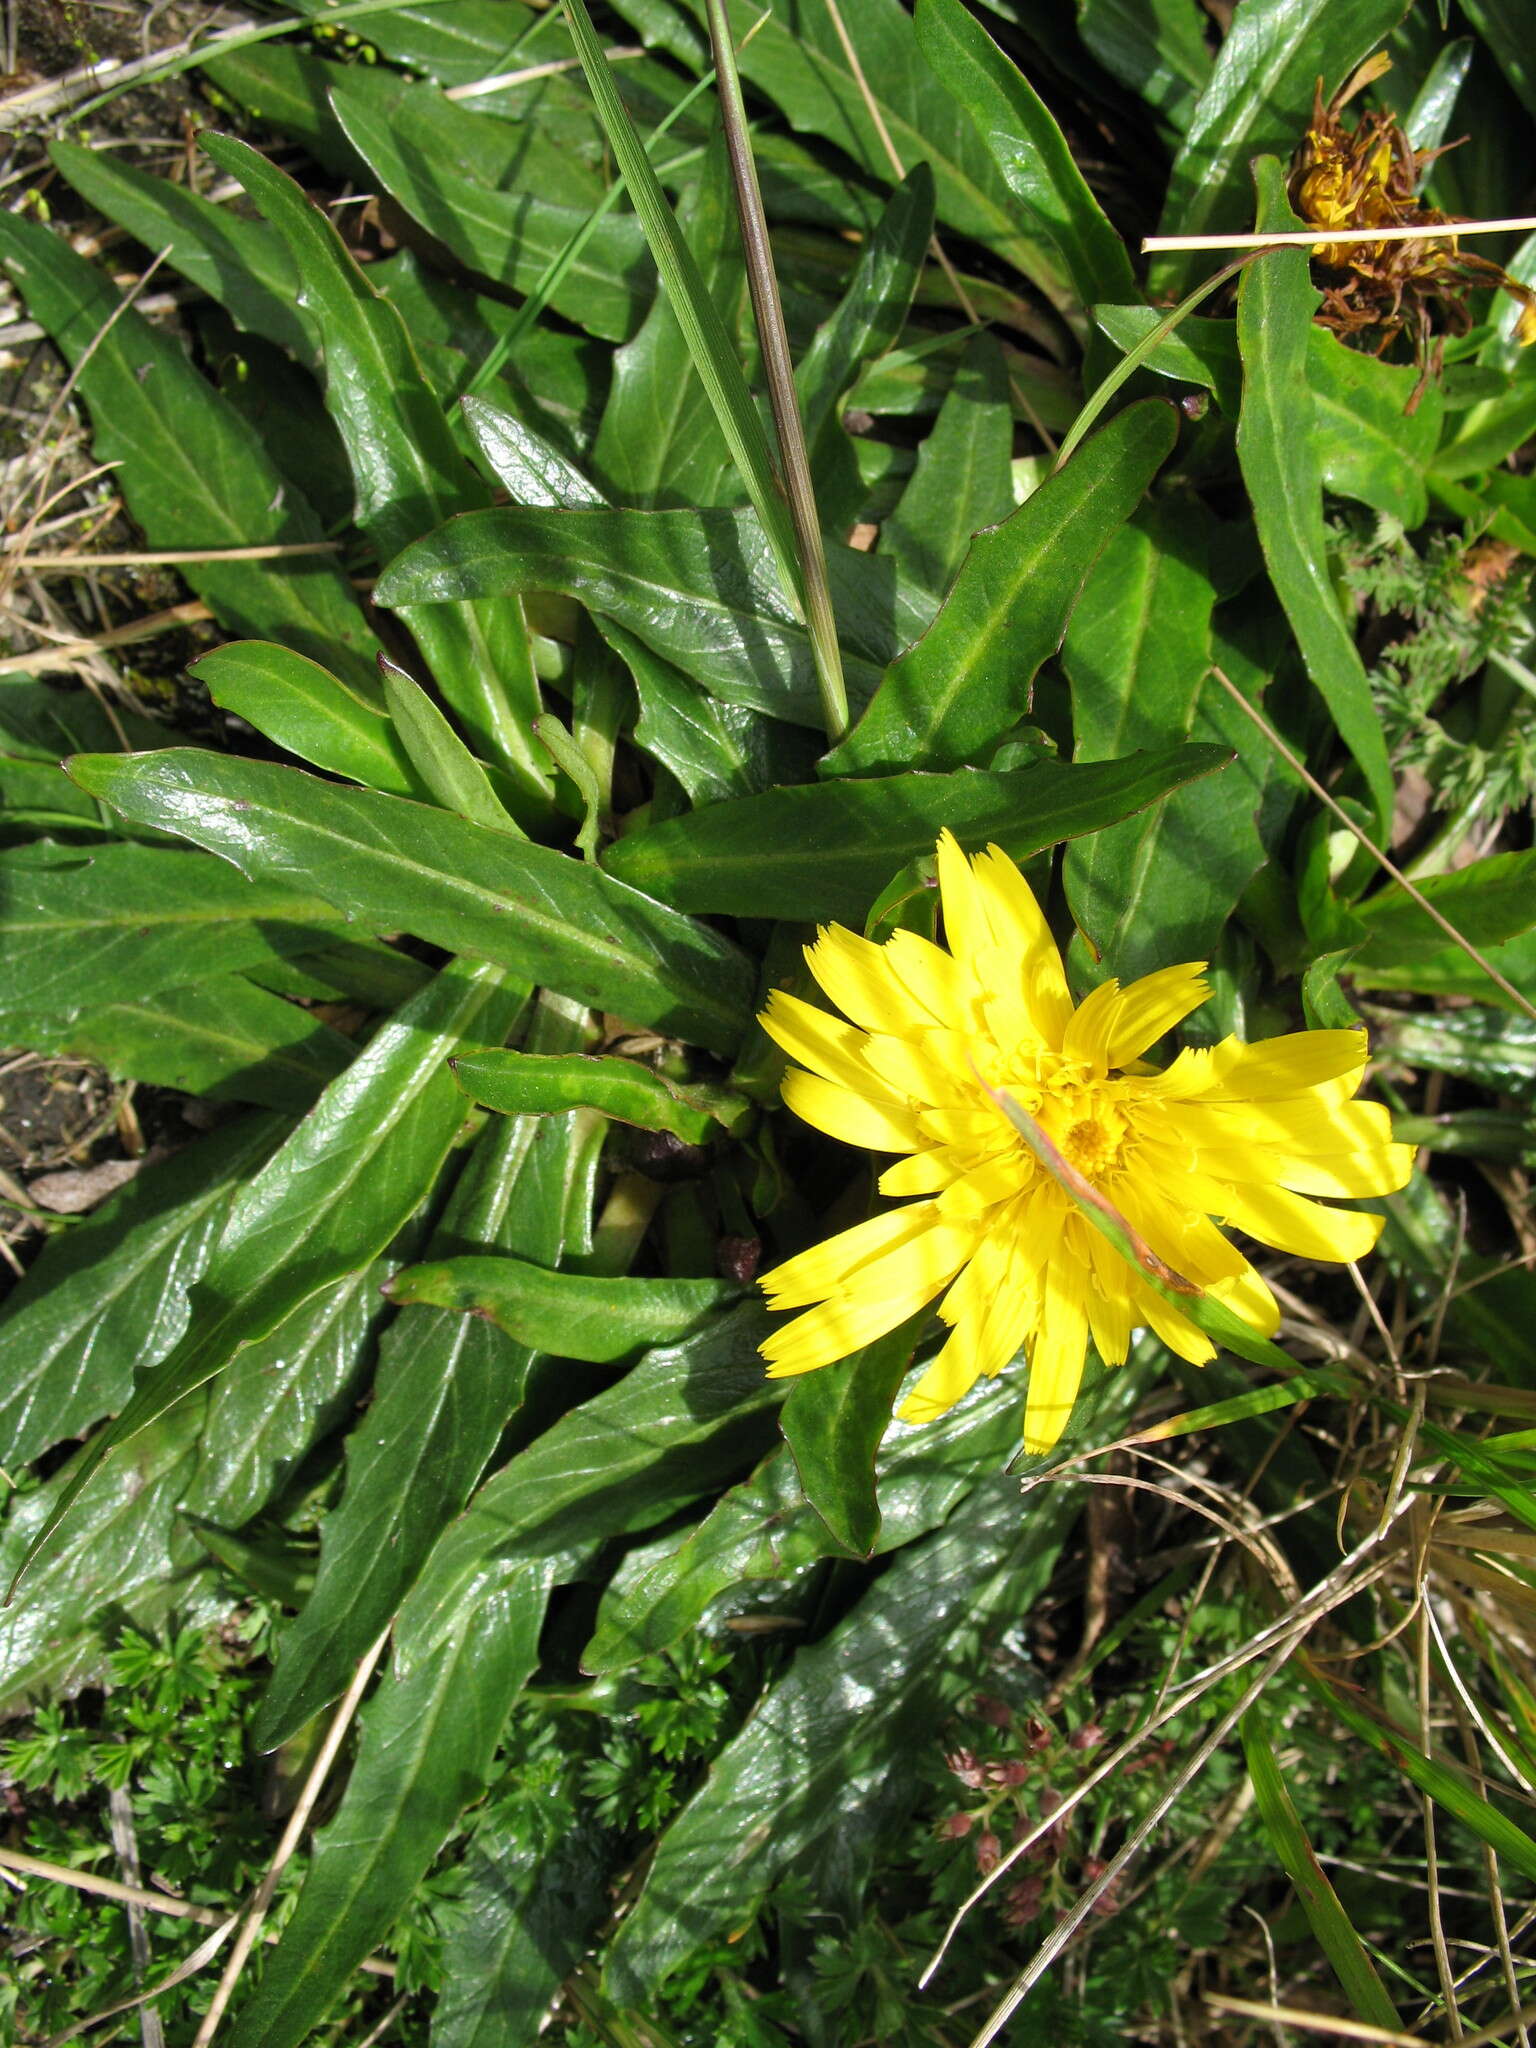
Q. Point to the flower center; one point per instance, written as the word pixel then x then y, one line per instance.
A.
pixel 1087 1118
pixel 1090 1147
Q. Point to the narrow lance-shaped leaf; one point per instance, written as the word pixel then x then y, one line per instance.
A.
pixel 408 470
pixel 833 1421
pixel 425 1752
pixel 192 472
pixel 1277 448
pixel 568 1314
pixel 519 1083
pixel 396 865
pixel 447 1384
pixel 826 850
pixel 1029 149
pixel 953 696
pixel 329 1201
pixel 310 712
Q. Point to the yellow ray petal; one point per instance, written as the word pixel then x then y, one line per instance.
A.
pixel 885 1293
pixel 879 1126
pixel 932 979
pixel 1021 932
pixel 1309 1124
pixel 1292 1223
pixel 1381 1172
pixel 1153 1005
pixel 908 1070
pixel 1057 1354
pixel 1289 1065
pixel 965 918
pixel 1109 1302
pixel 825 1044
pixel 1092 1025
pixel 921 1173
pixel 1176 1331
pixel 859 978
pixel 821 1269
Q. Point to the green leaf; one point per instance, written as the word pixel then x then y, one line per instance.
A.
pixel 239 263
pixel 409 473
pixel 1283 472
pixel 446 766
pixel 1371 447
pixel 1329 1921
pixel 1488 902
pixel 1258 103
pixel 396 865
pixel 1197 351
pixel 833 1422
pixel 518 1083
pixel 826 851
pixel 193 474
pixel 426 1745
pixel 841 1730
pixel 1152 890
pixel 447 1385
pixel 679 1422
pixel 222 1037
pixel 510 236
pixel 1503 26
pixel 121 922
pixel 111 1293
pixel 126 1558
pixel 1156 48
pixel 698 587
pixel 660 443
pixel 329 1201
pixel 303 707
pixel 953 696
pixel 1496 1051
pixel 532 468
pixel 868 320
pixel 1028 148
pixel 281 1395
pixel 715 749
pixel 798 61
pixel 567 1314
pixel 764 1529
pixel 963 480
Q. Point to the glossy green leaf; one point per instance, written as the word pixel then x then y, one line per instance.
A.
pixel 447 1385
pixel 1028 148
pixel 1325 1912
pixel 238 263
pixel 1156 889
pixel 426 1745
pixel 111 1293
pixel 118 922
pixel 126 1558
pixel 660 443
pixel 953 696
pixel 679 1422
pixel 310 712
pixel 1496 1051
pixel 537 1084
pixel 568 1314
pixel 1372 448
pixel 407 468
pixel 963 480
pixel 1283 472
pixel 699 587
pixel 193 474
pixel 868 320
pixel 833 1421
pixel 714 748
pixel 441 759
pixel 395 865
pixel 529 466
pixel 1156 48
pixel 1488 902
pixel 281 1395
pixel 826 850
pixel 798 61
pixel 1258 103
pixel 1504 27
pixel 765 1530
pixel 329 1201
pixel 222 1037
pixel 1198 351
pixel 838 1731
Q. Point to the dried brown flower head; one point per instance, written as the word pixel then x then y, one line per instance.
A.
pixel 1368 176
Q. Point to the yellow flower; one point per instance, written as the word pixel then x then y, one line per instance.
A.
pixel 1239 1135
